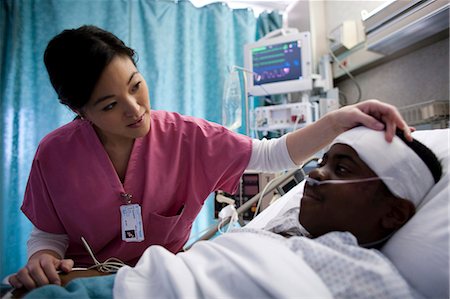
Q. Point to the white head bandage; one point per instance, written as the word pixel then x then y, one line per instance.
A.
pixel 413 179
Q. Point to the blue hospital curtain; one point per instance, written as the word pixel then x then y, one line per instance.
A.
pixel 184 54
pixel 29 106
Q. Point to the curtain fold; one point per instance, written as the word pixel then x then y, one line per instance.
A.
pixel 266 23
pixel 184 54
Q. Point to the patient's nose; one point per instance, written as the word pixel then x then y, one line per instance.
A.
pixel 318 173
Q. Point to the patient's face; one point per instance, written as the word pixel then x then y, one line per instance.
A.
pixel 353 207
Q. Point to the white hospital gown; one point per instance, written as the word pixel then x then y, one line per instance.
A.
pixel 348 270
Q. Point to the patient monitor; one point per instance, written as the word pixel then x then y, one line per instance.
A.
pixel 279 64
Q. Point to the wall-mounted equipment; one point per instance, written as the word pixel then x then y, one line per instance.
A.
pixel 285 116
pixel 400 24
pixel 344 37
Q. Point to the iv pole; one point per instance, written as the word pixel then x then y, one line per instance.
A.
pixel 247 109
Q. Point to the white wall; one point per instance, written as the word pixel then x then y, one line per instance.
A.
pixel 320 17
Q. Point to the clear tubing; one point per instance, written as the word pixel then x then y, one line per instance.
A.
pixel 314 182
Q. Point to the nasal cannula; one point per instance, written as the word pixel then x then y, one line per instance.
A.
pixel 313 182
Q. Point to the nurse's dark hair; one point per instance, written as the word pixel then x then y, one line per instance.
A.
pixel 426 154
pixel 76 58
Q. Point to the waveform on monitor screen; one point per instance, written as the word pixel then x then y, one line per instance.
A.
pixel 272 74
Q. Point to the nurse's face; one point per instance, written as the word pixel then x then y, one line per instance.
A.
pixel 119 107
pixel 354 207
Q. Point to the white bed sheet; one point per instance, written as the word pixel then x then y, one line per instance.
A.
pixel 231 266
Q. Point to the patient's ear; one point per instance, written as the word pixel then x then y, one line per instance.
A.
pixel 399 212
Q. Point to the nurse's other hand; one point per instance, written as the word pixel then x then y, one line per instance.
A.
pixel 372 114
pixel 40 270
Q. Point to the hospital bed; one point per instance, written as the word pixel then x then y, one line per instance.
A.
pixel 419 250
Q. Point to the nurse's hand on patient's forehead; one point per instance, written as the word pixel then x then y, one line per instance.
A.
pixel 390 117
pixel 375 115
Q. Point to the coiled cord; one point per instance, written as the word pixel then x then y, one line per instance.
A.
pixel 111 265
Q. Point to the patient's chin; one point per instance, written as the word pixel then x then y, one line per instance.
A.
pixel 304 222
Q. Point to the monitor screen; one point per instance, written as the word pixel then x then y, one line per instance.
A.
pixel 279 65
pixel 276 63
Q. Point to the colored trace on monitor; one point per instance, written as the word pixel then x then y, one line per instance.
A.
pixel 275 63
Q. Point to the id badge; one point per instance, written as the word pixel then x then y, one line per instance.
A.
pixel 132 229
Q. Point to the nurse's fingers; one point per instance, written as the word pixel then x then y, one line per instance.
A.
pixel 24 277
pixel 389 130
pixel 37 273
pixel 66 265
pixel 14 281
pixel 49 268
pixel 389 115
pixel 368 121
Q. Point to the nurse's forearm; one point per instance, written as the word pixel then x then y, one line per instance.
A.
pixel 40 240
pixel 292 149
pixel 270 155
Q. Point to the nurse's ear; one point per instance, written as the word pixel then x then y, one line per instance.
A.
pixel 78 112
pixel 398 213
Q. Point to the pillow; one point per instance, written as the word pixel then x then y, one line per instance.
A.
pixel 420 249
pixel 289 200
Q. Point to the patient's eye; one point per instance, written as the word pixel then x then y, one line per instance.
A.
pixel 342 169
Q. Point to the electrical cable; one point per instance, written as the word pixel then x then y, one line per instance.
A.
pixel 297 120
pixel 245 70
pixel 195 237
pixel 345 103
pixel 232 220
pixel 272 180
pixel 111 265
pixel 349 75
pixel 262 195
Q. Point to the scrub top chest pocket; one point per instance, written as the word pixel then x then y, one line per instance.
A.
pixel 171 231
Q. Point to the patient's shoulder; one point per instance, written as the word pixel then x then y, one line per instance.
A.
pixel 350 270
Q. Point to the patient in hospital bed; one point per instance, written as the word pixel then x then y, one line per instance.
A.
pixel 363 191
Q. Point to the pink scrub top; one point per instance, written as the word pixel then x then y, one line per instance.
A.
pixel 74 189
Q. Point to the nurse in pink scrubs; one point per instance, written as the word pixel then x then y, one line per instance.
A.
pixel 125 177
